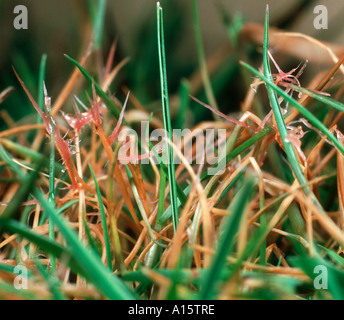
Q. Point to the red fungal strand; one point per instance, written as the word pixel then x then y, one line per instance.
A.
pixel 95 112
pixel 61 144
pixel 222 115
pixel 44 117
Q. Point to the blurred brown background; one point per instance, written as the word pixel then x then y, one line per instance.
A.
pixel 57 27
pixel 51 23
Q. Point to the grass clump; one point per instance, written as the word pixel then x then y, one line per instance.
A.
pixel 90 219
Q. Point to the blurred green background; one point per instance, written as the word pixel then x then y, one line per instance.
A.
pixel 58 27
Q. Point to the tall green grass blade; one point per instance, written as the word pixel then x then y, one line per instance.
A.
pixel 104 224
pixel 282 128
pixel 166 115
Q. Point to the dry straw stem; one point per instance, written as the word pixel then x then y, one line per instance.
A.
pixel 293 43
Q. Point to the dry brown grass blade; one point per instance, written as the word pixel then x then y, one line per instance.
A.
pixel 24 128
pixel 110 58
pixel 203 207
pixel 138 180
pixel 296 44
pixel 108 80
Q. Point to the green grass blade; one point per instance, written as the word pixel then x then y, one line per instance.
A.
pixel 40 84
pixel 317 96
pixel 9 289
pixel 201 58
pixel 105 98
pixel 28 153
pixel 99 23
pixel 166 115
pixel 52 282
pixel 103 217
pixel 282 128
pixel 334 256
pixel 184 92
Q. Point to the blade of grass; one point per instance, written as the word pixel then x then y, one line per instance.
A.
pixel 52 282
pixel 9 289
pixel 166 115
pixel 28 153
pixel 40 84
pixel 335 277
pixel 317 96
pixel 201 58
pixel 184 103
pixel 103 217
pixel 282 128
pixel 99 23
pixel 22 194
